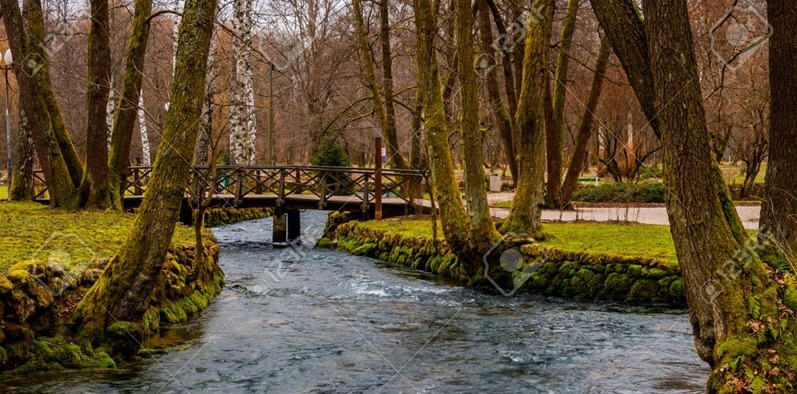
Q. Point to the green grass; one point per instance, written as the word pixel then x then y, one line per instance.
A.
pixel 633 240
pixel 31 230
pixel 502 204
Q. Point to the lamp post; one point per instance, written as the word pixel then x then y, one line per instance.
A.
pixel 6 64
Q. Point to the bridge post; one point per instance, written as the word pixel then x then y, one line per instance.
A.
pixel 378 178
pixel 279 229
pixel 294 224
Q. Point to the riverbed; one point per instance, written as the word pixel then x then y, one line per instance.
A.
pixel 305 320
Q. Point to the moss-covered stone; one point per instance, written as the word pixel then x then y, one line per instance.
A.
pixel 215 217
pixel 579 275
pixel 30 311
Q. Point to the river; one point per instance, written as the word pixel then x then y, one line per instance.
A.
pixel 303 320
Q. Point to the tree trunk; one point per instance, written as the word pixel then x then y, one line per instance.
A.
pixel 391 132
pixel 483 233
pixel 506 60
pixel 621 20
pixel 741 323
pixel 129 100
pixel 122 294
pixel 454 219
pixel 22 179
pixel 585 127
pixel 202 155
pixel 61 188
pixel 779 208
pixel 95 190
pixel 526 213
pixel 242 124
pixel 146 155
pixel 39 68
pixel 553 141
pixel 387 121
pixel 500 111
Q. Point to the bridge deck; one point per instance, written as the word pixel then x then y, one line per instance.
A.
pixel 288 187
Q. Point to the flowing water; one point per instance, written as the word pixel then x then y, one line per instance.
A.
pixel 305 320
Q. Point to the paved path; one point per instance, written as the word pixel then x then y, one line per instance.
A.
pixel 655 215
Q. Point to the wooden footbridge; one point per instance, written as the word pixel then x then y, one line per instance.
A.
pixel 373 193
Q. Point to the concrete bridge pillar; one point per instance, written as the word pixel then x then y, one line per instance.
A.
pixel 287 225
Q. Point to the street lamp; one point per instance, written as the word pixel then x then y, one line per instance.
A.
pixel 6 64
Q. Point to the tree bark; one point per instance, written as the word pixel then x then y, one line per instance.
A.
pixel 122 294
pixel 95 189
pixel 242 119
pixel 779 206
pixel 526 213
pixel 553 142
pixel 585 127
pixel 483 233
pixel 22 179
pixel 129 100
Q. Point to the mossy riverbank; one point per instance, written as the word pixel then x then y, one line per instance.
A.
pixel 582 261
pixel 50 258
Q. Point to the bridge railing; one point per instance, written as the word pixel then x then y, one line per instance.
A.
pixel 282 182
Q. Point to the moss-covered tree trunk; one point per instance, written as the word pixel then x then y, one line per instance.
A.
pixel 741 309
pixel 585 126
pixel 553 138
pixel 127 107
pixel 526 213
pixel 779 208
pixel 95 189
pixel 483 233
pixel 454 219
pixel 22 180
pixel 121 295
pixel 40 82
pixel 61 188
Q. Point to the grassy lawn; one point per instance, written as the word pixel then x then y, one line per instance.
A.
pixel 30 230
pixel 636 240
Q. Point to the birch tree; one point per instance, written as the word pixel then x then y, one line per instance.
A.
pixel 243 127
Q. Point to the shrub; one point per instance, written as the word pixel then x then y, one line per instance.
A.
pixel 648 192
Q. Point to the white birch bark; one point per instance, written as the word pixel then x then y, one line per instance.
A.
pixel 110 111
pixel 202 156
pixel 146 157
pixel 242 120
